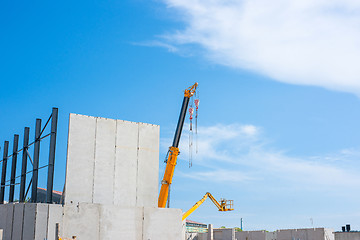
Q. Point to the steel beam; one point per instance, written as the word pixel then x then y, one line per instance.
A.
pixel 24 165
pixel 13 168
pixel 54 118
pixel 3 172
pixel 36 161
pixel 180 122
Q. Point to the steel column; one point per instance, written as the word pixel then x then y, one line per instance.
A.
pixel 24 165
pixel 54 118
pixel 13 168
pixel 3 172
pixel 36 161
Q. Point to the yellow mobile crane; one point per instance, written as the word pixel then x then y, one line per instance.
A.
pixel 223 206
pixel 174 150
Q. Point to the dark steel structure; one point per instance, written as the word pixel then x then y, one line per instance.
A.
pixel 3 172
pixel 13 168
pixel 11 183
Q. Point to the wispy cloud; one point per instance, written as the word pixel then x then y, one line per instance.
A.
pixel 299 42
pixel 241 153
pixel 168 46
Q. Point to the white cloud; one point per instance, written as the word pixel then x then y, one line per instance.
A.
pixel 240 153
pixel 218 175
pixel 310 42
pixel 169 47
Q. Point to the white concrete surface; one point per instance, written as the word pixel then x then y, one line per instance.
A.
pixel 29 221
pixel 120 163
pixel 162 224
pixel 9 221
pixel 196 236
pixel 121 223
pixel 329 234
pixel 104 161
pixel 210 235
pixel 80 159
pixel 41 221
pixel 81 220
pixel 108 222
pixel 18 221
pixel 253 235
pixel 303 234
pixel 228 234
pixel 347 235
pixel 5 217
pixel 54 216
pixel 126 163
pixel 1 234
pixel 148 166
pixel 224 233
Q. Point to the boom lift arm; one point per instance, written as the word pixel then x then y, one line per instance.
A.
pixel 223 205
pixel 174 150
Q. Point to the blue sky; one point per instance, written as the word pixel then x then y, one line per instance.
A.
pixel 278 118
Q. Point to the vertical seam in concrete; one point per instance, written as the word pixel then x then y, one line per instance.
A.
pixel 137 163
pixel 22 220
pixel 114 173
pixel 66 162
pixel 47 227
pixel 35 217
pixel 12 220
pixel 93 185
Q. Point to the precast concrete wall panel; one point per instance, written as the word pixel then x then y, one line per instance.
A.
pixel 18 221
pixel 6 219
pixel 104 161
pixel 54 216
pixel 82 221
pixel 121 223
pixel 228 234
pixel 148 165
pixel 41 221
pixel 126 163
pixel 273 236
pixel 306 234
pixel 329 234
pixel 162 224
pixel 112 162
pixel 29 221
pixel 3 218
pixel 9 221
pixel 254 235
pixel 217 235
pixel 347 235
pixel 80 159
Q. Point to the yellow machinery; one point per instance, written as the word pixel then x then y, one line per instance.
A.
pixel 223 206
pixel 174 150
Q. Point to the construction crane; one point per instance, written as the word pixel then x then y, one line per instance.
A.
pixel 174 149
pixel 223 206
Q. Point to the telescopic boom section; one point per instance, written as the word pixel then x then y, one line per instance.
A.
pixel 174 150
pixel 223 206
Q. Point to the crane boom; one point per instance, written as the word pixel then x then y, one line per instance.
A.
pixel 223 206
pixel 174 150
